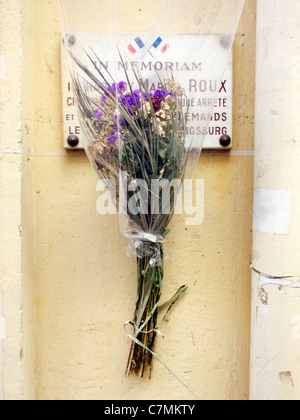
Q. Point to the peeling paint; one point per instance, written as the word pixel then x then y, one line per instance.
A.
pixel 264 309
pixel 282 281
pixel 271 211
pixel 287 377
pixel 279 282
pixel 263 296
pixel 277 206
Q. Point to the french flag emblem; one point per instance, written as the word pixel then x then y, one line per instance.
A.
pixel 138 43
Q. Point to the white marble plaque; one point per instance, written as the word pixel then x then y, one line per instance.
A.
pixel 195 61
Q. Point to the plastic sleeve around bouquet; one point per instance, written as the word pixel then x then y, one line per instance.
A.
pixel 137 76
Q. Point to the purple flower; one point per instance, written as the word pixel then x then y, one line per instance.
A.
pixel 111 139
pixel 128 101
pixel 137 95
pixel 122 85
pixel 103 100
pixel 118 129
pixel 119 119
pixel 113 89
pixel 146 96
pixel 161 93
pixel 98 113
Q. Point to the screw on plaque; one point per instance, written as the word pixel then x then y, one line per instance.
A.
pixel 71 39
pixel 73 140
pixel 225 140
pixel 225 41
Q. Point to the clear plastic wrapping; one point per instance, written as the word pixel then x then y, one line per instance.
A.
pixel 146 76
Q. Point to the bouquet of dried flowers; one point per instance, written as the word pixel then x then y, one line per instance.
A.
pixel 140 135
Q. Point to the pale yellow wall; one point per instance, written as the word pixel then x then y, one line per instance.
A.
pixel 16 224
pixel 85 285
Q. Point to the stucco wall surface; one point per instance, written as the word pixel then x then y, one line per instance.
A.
pixel 82 282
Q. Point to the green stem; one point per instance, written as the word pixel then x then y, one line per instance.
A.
pixel 150 273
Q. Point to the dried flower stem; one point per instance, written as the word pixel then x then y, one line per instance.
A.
pixel 149 294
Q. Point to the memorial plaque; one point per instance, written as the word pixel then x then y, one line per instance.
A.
pixel 208 91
